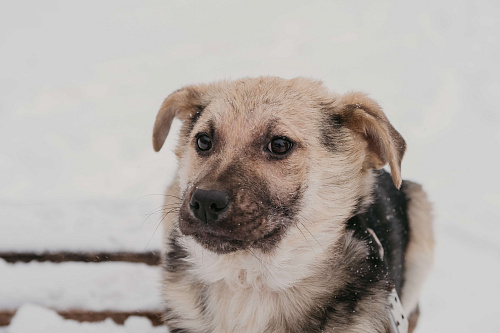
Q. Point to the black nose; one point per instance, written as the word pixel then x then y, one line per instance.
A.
pixel 208 205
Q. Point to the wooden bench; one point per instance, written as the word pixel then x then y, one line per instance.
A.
pixel 87 260
pixel 82 315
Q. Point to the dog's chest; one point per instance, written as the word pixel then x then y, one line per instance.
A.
pixel 253 297
pixel 253 292
pixel 241 309
pixel 246 293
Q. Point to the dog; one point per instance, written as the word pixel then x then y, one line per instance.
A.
pixel 281 218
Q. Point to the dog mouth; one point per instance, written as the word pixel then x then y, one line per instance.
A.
pixel 219 243
pixel 227 241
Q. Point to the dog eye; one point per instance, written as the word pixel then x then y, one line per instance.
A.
pixel 279 146
pixel 203 142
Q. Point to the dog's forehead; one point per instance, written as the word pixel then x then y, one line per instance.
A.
pixel 255 116
pixel 260 111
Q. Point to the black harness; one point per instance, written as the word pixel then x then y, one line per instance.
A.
pixel 384 227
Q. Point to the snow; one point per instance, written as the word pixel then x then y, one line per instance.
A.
pixel 84 225
pixel 114 286
pixel 81 83
pixel 466 272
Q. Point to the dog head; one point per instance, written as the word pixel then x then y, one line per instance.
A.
pixel 258 156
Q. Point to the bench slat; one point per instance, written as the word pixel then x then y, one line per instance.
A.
pixel 148 258
pixel 93 316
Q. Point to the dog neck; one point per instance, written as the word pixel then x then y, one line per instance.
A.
pixel 296 258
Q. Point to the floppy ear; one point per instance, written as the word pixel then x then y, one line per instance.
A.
pixel 185 104
pixel 363 115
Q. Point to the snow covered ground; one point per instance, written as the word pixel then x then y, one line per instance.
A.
pixel 81 83
pixel 84 225
pixel 35 318
pixel 77 285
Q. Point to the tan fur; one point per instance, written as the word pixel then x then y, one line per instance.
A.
pixel 385 144
pixel 180 104
pixel 245 290
pixel 420 251
pixel 412 321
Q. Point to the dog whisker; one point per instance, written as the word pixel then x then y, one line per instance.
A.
pixel 259 260
pixel 307 240
pixel 158 225
pixel 160 194
pixel 310 233
pixel 158 211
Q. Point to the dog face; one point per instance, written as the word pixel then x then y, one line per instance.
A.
pixel 258 156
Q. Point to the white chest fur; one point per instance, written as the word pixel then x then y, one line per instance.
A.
pixel 251 291
pixel 242 309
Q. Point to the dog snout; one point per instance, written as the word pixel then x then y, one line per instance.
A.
pixel 208 205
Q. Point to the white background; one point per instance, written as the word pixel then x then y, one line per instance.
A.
pixel 81 81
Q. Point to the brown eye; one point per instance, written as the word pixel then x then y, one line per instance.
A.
pixel 203 142
pixel 279 146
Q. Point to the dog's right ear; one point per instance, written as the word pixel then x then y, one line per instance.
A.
pixel 186 103
pixel 385 145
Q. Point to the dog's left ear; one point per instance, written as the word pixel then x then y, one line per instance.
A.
pixel 363 115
